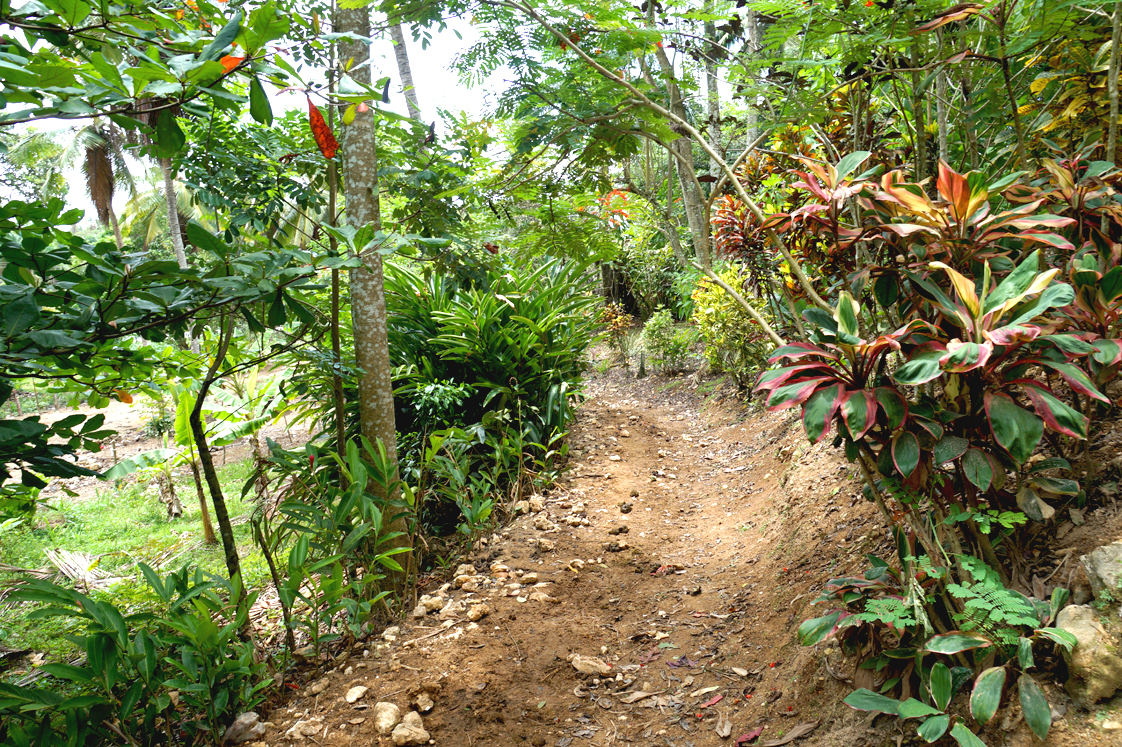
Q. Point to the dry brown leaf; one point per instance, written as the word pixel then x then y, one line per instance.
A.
pixel 799 731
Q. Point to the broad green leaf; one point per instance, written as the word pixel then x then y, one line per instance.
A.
pixel 1038 714
pixel 1024 654
pixel 224 38
pixel 867 700
pixel 850 162
pixel 933 728
pixel 143 460
pixel 955 642
pixel 986 697
pixel 203 239
pixel 1107 352
pixel 905 452
pixel 169 137
pixel 819 411
pixel 20 314
pixel 1076 379
pixel 259 107
pixel 1017 430
pixel 949 448
pixel 1016 284
pixel 965 737
pixel 921 367
pixel 859 412
pixel 1057 415
pixel 818 629
pixel 912 708
pixel 1060 636
pixel 941 685
pixel 978 469
pixel 894 405
pixel 845 313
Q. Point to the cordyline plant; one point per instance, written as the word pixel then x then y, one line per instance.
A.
pixel 952 357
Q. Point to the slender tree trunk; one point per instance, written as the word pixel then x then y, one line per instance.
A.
pixel 401 54
pixel 116 227
pixel 209 536
pixel 692 199
pixel 206 460
pixel 368 295
pixel 920 119
pixel 712 94
pixel 173 213
pixel 1112 82
pixel 941 105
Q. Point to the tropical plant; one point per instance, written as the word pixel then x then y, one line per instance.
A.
pixel 667 346
pixel 145 678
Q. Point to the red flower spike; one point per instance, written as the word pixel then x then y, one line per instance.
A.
pixel 322 133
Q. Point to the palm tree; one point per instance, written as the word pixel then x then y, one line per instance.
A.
pixel 99 148
pixel 146 213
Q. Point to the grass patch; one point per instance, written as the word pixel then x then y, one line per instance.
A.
pixel 123 525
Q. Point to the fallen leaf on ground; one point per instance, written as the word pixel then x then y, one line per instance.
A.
pixel 712 701
pixel 744 739
pixel 635 697
pixel 799 731
pixel 724 728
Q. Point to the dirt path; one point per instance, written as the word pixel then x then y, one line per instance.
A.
pixel 683 552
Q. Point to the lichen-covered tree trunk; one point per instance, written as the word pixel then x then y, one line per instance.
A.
pixel 401 54
pixel 367 292
pixel 173 213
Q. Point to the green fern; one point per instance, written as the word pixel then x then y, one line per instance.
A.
pixel 990 608
pixel 888 611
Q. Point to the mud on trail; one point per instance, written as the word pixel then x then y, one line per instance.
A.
pixel 678 559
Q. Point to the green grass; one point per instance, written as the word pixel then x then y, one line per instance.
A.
pixel 123 524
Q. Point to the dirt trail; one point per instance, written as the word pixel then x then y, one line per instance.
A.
pixel 683 552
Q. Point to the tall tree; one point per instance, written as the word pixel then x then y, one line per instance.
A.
pixel 367 291
pixel 401 54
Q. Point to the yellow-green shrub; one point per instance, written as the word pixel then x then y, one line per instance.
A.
pixel 734 342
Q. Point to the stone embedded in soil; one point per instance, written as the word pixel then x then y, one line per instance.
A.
pixel 386 717
pixel 411 730
pixel 634 493
pixel 318 686
pixel 521 507
pixel 452 609
pixel 423 702
pixel 464 569
pixel 543 524
pixel 529 578
pixel 625 508
pixel 477 612
pixel 246 726
pixel 544 545
pixel 590 665
pixel 1096 670
pixel 541 596
pixel 1104 568
pixel 355 693
pixel 537 503
pixel 623 529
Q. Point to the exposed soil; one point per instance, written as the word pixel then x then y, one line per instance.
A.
pixel 687 545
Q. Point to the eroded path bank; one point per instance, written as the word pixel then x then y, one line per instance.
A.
pixel 673 566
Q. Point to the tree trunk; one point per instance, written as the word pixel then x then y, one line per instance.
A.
pixel 368 296
pixel 692 199
pixel 404 71
pixel 173 213
pixel 116 227
pixel 206 461
pixel 712 94
pixel 208 528
pixel 1112 81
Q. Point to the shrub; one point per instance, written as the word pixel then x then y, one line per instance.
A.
pixel 667 346
pixel 135 664
pixel 734 343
